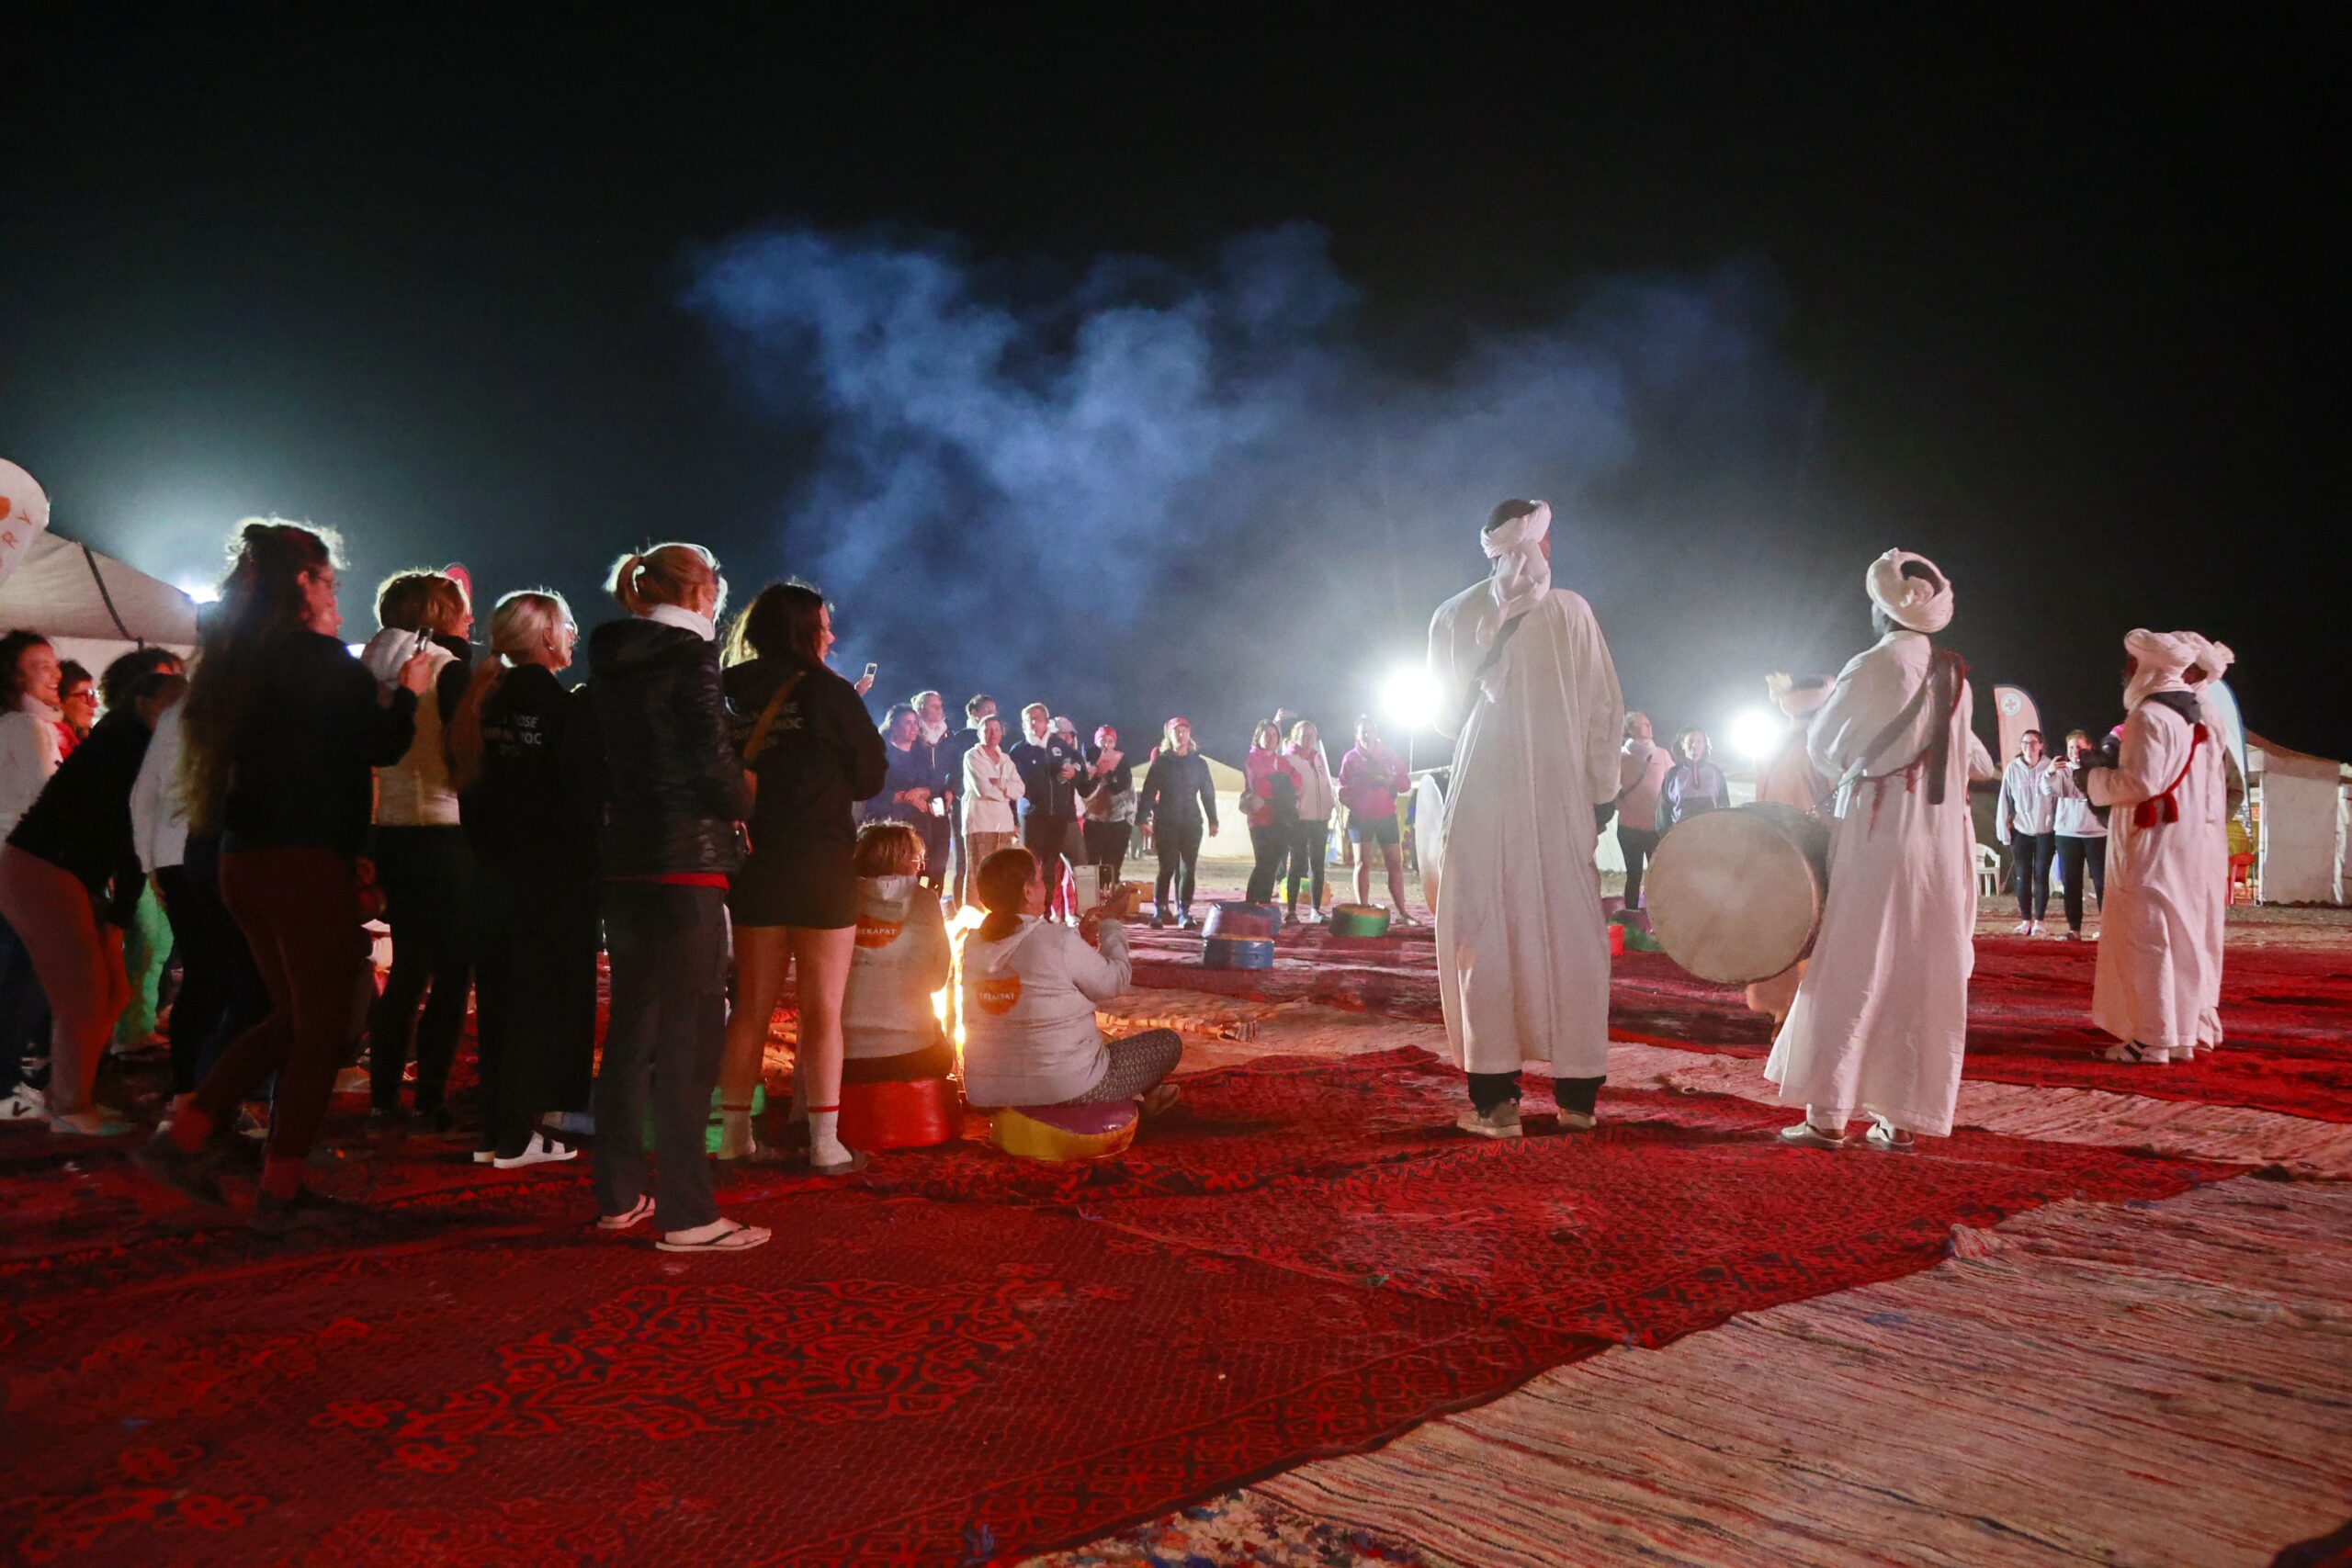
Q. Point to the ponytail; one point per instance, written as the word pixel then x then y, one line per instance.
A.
pixel 665 574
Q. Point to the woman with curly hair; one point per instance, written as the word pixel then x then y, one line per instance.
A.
pixel 282 732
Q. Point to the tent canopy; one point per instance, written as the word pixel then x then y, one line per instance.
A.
pixel 92 606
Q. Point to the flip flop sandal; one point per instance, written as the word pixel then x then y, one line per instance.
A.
pixel 736 1237
pixel 1157 1102
pixel 850 1167
pixel 638 1212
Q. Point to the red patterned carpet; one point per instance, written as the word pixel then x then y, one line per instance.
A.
pixel 954 1359
pixel 2288 1014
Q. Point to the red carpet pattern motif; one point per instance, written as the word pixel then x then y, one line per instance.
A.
pixel 956 1359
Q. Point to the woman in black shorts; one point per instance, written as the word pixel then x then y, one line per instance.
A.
pixel 812 750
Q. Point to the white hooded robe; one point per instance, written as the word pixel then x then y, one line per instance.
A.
pixel 1880 1022
pixel 1522 952
pixel 2159 980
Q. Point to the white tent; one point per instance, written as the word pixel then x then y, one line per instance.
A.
pixel 92 606
pixel 2303 851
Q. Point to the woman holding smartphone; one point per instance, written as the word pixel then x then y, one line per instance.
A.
pixel 805 735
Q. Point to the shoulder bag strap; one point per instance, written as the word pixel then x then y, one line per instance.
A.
pixel 766 721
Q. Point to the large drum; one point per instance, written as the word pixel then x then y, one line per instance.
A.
pixel 1736 896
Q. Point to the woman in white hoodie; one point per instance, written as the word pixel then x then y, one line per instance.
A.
pixel 1310 841
pixel 992 790
pixel 422 859
pixel 1030 986
pixel 890 1032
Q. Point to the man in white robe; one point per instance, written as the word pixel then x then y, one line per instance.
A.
pixel 1881 1019
pixel 2159 985
pixel 1527 689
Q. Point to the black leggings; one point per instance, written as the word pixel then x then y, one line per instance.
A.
pixel 1106 847
pixel 1490 1089
pixel 1177 844
pixel 427 877
pixel 1637 844
pixel 1271 845
pixel 1308 844
pixel 2031 855
pixel 213 961
pixel 2076 856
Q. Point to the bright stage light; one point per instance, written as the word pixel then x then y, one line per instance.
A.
pixel 1755 734
pixel 1409 697
pixel 203 592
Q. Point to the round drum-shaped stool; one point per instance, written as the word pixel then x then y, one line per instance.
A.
pixel 1236 952
pixel 1062 1134
pixel 1359 919
pixel 919 1114
pixel 1243 919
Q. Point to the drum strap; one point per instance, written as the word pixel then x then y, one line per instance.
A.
pixel 1503 634
pixel 1946 670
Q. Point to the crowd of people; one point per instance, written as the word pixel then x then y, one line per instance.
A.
pixel 718 815
pixel 716 810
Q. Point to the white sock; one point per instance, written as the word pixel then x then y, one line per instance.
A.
pixel 734 1134
pixel 824 1142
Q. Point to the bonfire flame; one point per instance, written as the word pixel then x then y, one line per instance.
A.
pixel 947 1002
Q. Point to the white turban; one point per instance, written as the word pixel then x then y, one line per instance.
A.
pixel 2213 659
pixel 2163 660
pixel 1522 574
pixel 1909 602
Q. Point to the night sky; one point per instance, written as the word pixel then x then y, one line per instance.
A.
pixel 2044 294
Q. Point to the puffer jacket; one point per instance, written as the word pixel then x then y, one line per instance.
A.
pixel 670 784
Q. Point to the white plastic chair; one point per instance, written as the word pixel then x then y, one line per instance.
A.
pixel 1988 872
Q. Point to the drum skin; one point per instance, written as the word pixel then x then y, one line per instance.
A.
pixel 1735 897
pixel 1251 920
pixel 1358 919
pixel 1236 952
pixel 1064 1132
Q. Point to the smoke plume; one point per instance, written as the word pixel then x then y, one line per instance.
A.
pixel 1152 488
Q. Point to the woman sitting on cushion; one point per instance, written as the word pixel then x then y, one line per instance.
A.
pixel 890 1032
pixel 1030 986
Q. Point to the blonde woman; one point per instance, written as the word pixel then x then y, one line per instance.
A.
pixel 890 1032
pixel 672 793
pixel 422 862
pixel 534 842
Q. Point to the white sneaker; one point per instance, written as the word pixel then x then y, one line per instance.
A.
pixel 28 1104
pixel 1805 1135
pixel 1311 918
pixel 540 1150
pixel 1503 1122
pixel 2039 929
pixel 2023 927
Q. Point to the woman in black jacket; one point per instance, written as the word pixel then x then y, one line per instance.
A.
pixel 673 792
pixel 282 730
pixel 1177 796
pixel 70 882
pixel 534 846
pixel 806 737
